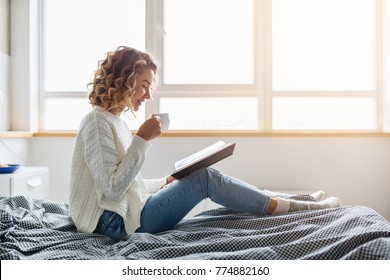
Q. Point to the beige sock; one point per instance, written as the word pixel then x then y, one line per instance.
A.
pixel 288 205
pixel 319 195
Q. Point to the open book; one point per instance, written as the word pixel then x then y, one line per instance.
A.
pixel 203 158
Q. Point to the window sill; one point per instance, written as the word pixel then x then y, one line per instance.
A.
pixel 16 134
pixel 177 134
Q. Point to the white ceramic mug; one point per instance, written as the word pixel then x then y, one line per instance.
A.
pixel 164 119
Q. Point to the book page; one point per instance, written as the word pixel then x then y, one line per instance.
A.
pixel 198 155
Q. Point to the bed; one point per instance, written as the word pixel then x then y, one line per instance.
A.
pixel 41 229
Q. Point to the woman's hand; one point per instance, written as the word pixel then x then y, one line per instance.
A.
pixel 169 179
pixel 150 129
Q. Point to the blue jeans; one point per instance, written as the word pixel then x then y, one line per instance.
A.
pixel 169 206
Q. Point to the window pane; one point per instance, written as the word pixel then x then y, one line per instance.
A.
pixel 323 45
pixel 79 33
pixel 67 113
pixel 208 42
pixel 211 113
pixel 323 113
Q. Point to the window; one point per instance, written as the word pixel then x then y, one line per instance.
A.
pixel 257 65
pixel 213 45
pixel 75 35
pixel 324 65
pixel 208 65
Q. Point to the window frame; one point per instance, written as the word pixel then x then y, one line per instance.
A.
pixel 262 84
pixel 377 94
pixel 154 44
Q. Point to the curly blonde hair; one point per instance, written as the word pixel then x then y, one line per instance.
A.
pixel 115 79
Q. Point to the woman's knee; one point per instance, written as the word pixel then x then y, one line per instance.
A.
pixel 207 172
pixel 201 175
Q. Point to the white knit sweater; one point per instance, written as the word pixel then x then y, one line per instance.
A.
pixel 105 172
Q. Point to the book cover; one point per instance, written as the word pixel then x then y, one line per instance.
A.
pixel 203 158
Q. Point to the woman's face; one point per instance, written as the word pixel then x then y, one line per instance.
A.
pixel 142 89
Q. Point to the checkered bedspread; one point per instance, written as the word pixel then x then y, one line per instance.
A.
pixel 41 229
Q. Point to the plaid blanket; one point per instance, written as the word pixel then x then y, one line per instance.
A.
pixel 41 229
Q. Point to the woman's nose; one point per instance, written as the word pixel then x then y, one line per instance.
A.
pixel 147 94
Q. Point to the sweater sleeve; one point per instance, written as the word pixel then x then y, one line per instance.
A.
pixel 154 185
pixel 112 174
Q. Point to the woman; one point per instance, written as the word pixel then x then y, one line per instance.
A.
pixel 108 194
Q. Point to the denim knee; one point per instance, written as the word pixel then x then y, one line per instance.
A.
pixel 205 176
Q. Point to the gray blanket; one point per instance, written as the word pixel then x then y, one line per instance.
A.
pixel 41 229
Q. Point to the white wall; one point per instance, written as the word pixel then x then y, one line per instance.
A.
pixel 4 64
pixel 4 92
pixel 24 68
pixel 356 169
pixel 15 151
